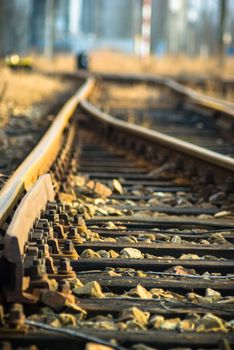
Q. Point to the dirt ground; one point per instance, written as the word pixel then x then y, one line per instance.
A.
pixel 25 102
pixel 25 97
pixel 169 65
pixel 22 90
pixel 115 61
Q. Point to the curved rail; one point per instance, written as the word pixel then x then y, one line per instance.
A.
pixel 40 159
pixel 172 143
pixel 202 100
pixel 175 84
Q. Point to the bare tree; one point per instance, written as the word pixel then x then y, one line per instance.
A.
pixel 221 46
pixel 2 27
pixel 49 28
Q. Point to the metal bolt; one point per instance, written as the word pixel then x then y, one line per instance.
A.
pixel 42 223
pixel 31 250
pixel 63 216
pixel 58 231
pixel 60 207
pixel 50 232
pixel 64 265
pixel 43 247
pixel 81 225
pixel 53 246
pixel 72 232
pixel 36 234
pixel 52 205
pixel 16 316
pixel 67 207
pixel 38 269
pixel 64 287
pixel 68 247
pixel 51 215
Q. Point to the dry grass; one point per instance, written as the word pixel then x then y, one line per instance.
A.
pixel 24 90
pixel 115 61
pixel 110 61
pixel 60 63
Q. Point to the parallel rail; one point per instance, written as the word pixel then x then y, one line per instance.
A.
pixel 174 84
pixel 103 163
pixel 215 104
pixel 154 137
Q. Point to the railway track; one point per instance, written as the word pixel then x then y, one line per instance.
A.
pixel 126 242
pixel 167 111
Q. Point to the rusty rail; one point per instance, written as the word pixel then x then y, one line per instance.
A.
pixel 42 156
pixel 94 157
pixel 185 148
pixel 18 231
pixel 206 101
pixel 175 84
pixel 192 96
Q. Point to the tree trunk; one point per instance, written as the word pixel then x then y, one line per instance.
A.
pixel 221 47
pixel 49 28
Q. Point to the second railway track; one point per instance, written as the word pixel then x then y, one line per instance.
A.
pixel 128 242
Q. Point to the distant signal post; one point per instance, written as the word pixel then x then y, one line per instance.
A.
pixel 146 27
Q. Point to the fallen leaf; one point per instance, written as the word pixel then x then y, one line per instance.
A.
pixel 221 214
pixel 131 253
pixel 134 313
pixel 95 346
pixel 67 320
pixel 186 325
pixel 110 226
pixel 141 292
pixel 211 323
pixel 89 254
pixel 91 289
pixel 180 270
pixel 113 254
pixel 189 257
pixel 117 186
pixel 99 188
pixel 213 294
pixel 170 324
pixel 157 321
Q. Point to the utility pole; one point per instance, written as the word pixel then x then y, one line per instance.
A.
pixel 146 27
pixel 221 46
pixel 136 25
pixel 49 28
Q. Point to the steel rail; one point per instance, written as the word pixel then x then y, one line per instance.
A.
pixel 174 84
pixel 202 100
pixel 156 137
pixel 42 156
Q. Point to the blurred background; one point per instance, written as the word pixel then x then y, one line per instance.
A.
pixel 194 29
pixel 189 40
